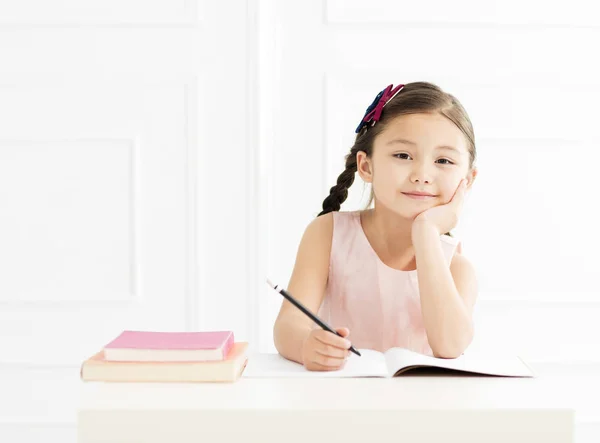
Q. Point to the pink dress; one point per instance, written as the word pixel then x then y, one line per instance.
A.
pixel 380 305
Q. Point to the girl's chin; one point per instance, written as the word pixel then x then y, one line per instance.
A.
pixel 409 210
pixel 409 214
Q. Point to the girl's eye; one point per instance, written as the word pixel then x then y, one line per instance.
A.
pixel 405 156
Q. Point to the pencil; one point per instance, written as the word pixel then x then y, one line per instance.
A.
pixel 313 317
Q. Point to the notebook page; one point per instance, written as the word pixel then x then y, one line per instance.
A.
pixel 370 364
pixel 505 365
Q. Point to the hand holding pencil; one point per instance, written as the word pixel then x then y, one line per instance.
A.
pixel 326 348
pixel 325 351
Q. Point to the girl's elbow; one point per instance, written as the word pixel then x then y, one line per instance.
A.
pixel 452 349
pixel 446 353
pixel 278 334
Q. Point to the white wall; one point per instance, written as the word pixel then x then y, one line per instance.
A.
pixel 529 225
pixel 126 135
pixel 159 159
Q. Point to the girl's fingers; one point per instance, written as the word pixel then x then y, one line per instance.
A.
pixel 460 191
pixel 344 332
pixel 331 351
pixel 327 360
pixel 319 367
pixel 328 338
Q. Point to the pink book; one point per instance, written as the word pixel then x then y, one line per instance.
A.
pixel 169 346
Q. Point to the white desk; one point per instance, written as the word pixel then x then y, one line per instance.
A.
pixel 408 408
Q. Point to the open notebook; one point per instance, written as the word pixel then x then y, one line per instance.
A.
pixel 392 363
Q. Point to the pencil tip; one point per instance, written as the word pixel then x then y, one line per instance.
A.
pixel 270 283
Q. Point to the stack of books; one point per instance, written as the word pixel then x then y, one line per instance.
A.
pixel 145 356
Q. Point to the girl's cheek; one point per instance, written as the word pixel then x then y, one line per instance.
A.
pixel 447 193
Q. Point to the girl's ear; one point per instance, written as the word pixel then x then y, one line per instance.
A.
pixel 364 167
pixel 472 174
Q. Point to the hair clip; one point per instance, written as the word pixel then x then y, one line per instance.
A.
pixel 373 112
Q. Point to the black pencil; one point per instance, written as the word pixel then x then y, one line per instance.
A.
pixel 313 317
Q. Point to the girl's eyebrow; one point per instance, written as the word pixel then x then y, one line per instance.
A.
pixel 400 140
pixel 408 142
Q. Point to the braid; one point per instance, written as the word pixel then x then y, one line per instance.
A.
pixel 339 192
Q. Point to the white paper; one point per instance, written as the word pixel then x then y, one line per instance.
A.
pixel 376 364
pixel 398 358
pixel 370 364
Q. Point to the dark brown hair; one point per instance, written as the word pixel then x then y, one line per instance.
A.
pixel 414 98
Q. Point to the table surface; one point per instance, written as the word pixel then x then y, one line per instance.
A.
pixel 463 408
pixel 407 392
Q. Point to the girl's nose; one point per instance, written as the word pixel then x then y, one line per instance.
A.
pixel 420 174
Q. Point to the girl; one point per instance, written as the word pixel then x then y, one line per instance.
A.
pixel 392 276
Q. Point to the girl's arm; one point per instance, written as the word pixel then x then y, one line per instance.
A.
pixel 447 294
pixel 307 285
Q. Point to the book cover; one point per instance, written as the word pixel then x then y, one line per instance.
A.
pixel 169 346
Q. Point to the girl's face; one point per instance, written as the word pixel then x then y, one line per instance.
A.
pixel 416 154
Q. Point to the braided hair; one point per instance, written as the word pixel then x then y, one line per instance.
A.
pixel 339 192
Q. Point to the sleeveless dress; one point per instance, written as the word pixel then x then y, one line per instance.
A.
pixel 379 304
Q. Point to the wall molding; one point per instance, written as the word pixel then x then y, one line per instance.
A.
pixel 132 144
pixel 192 300
pixel 389 14
pixel 190 16
pixel 255 254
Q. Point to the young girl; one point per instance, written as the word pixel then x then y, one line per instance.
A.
pixel 390 276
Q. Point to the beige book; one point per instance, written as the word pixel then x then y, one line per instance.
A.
pixel 97 368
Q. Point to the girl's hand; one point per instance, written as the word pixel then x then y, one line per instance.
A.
pixel 444 217
pixel 325 351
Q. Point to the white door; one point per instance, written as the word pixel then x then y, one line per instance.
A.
pixel 123 132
